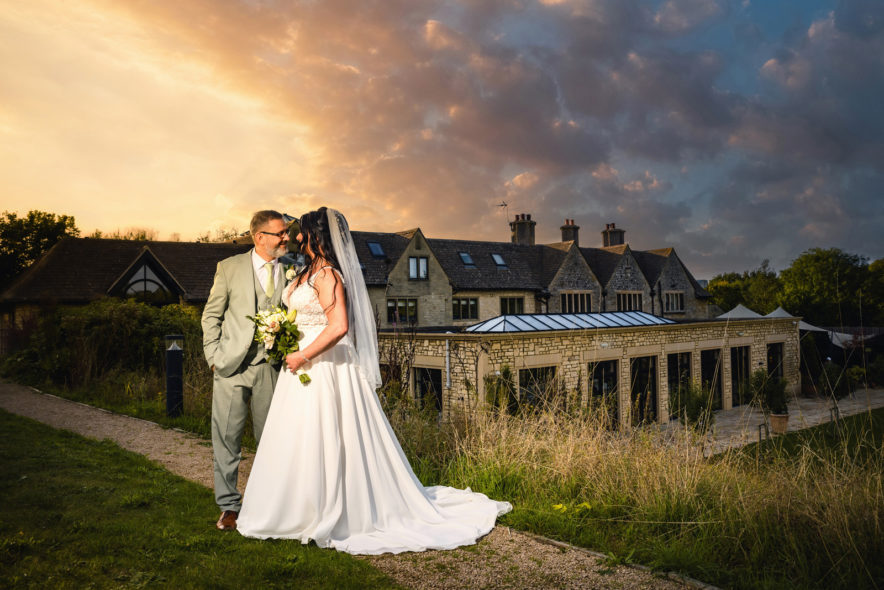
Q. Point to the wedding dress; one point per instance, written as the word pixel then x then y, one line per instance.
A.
pixel 330 469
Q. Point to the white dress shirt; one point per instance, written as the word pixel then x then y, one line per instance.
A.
pixel 261 271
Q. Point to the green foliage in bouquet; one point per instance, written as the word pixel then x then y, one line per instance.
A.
pixel 279 334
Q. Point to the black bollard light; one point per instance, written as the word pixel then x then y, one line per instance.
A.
pixel 174 374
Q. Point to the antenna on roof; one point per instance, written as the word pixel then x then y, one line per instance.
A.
pixel 505 210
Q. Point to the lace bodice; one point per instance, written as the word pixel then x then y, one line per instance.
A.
pixel 306 301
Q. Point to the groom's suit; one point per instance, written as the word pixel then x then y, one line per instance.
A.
pixel 242 375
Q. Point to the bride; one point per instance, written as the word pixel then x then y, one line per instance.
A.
pixel 329 467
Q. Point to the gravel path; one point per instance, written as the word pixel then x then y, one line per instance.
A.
pixel 503 559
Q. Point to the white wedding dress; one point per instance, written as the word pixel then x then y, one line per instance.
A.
pixel 329 467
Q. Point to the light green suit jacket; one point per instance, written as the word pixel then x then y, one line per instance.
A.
pixel 227 331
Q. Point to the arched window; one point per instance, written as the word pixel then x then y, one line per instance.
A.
pixel 144 284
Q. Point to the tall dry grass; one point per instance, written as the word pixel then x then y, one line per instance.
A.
pixel 809 516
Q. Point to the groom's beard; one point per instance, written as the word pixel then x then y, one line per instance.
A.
pixel 281 250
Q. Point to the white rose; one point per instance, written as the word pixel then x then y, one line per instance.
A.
pixel 290 274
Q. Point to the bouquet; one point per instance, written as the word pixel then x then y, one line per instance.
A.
pixel 277 330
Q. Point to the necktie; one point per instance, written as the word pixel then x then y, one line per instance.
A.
pixel 268 290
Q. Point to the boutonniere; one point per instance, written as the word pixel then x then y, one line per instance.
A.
pixel 290 272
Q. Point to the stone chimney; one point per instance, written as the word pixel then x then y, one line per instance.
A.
pixel 569 232
pixel 612 236
pixel 523 229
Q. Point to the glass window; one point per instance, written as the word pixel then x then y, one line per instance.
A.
pixel 465 308
pixel 629 301
pixel 710 374
pixel 679 370
pixel 643 372
pixel 376 250
pixel 417 268
pixel 603 391
pixel 498 260
pixel 576 302
pixel 538 388
pixel 512 305
pixel 740 392
pixel 467 260
pixel 144 281
pixel 673 301
pixel 775 360
pixel 428 388
pixel 402 310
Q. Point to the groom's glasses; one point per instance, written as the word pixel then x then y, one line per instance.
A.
pixel 279 234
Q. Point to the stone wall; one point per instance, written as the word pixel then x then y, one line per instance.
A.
pixel 627 276
pixel 674 278
pixel 433 294
pixel 468 358
pixel 574 276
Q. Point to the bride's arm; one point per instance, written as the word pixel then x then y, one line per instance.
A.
pixel 332 299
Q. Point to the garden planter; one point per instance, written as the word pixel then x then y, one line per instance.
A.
pixel 779 423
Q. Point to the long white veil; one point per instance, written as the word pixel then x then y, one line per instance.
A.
pixel 359 311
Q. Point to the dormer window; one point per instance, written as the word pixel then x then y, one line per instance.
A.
pixel 144 281
pixel 498 260
pixel 376 250
pixel 467 260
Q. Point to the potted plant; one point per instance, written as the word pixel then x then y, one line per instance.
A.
pixel 770 395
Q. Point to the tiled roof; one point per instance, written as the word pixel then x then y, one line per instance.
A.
pixel 377 269
pixel 652 262
pixel 78 270
pixel 523 265
pixel 603 261
pixel 552 256
pixel 82 269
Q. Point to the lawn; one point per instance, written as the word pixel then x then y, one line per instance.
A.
pixel 78 513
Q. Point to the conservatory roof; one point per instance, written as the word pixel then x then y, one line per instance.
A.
pixel 567 321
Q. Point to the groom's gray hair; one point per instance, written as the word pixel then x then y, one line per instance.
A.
pixel 260 219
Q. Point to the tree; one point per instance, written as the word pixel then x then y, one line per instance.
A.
pixel 757 289
pixel 825 286
pixel 23 240
pixel 221 235
pixel 726 290
pixel 873 295
pixel 763 288
pixel 136 234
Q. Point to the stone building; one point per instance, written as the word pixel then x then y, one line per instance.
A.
pixel 441 283
pixel 629 361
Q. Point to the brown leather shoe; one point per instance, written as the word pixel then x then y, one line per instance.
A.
pixel 227 522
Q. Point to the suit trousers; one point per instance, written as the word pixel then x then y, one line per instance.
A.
pixel 231 397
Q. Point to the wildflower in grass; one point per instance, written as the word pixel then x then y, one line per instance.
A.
pixel 560 507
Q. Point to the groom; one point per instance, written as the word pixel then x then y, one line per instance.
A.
pixel 244 284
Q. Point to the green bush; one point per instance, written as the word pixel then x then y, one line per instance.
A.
pixel 113 341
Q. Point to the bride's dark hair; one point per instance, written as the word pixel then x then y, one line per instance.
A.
pixel 315 233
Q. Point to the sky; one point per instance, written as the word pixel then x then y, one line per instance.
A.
pixel 732 130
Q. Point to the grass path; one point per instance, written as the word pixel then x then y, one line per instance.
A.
pixel 504 559
pixel 80 513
